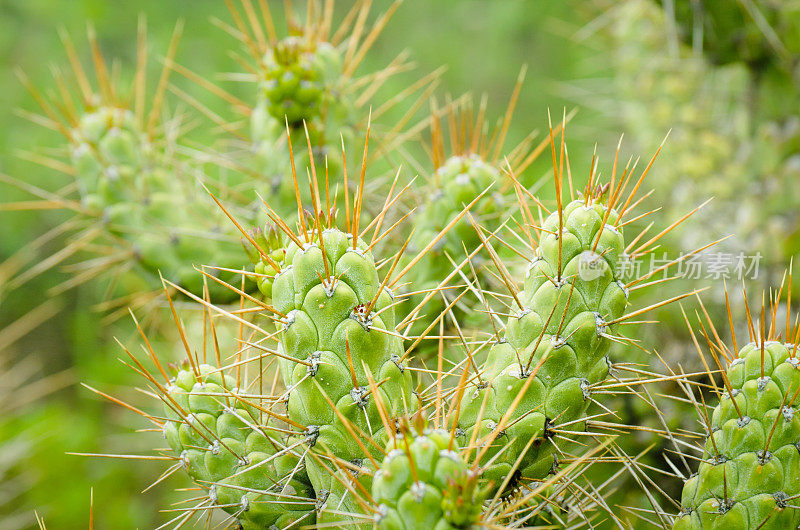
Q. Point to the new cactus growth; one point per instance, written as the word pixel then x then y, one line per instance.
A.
pixel 270 241
pixel 473 164
pixel 572 299
pixel 748 474
pixel 424 482
pixel 310 81
pixel 458 181
pixel 299 77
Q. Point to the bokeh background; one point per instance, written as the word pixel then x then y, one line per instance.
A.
pixel 627 67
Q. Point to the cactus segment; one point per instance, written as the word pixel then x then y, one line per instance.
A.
pixel 134 187
pixel 299 88
pixel 225 448
pixel 109 151
pixel 424 482
pixel 299 79
pixel 148 216
pixel 537 382
pixel 749 472
pixel 556 345
pixel 339 325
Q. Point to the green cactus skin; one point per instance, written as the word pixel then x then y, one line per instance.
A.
pixel 459 180
pixel 144 203
pixel 325 317
pixel 560 336
pixel 275 494
pixel 424 483
pixel 270 241
pixel 742 482
pixel 298 78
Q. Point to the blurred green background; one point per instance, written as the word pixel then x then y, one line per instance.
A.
pixel 573 56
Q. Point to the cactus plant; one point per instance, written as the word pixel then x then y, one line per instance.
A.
pixel 474 163
pixel 308 81
pixel 347 382
pixel 340 325
pixel 336 335
pixel 747 477
pixel 299 78
pixel 225 447
pixel 314 414
pixel 336 332
pixel 137 204
pixel 424 482
pixel 543 371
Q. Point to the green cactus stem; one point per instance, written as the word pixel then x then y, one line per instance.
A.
pixel 749 474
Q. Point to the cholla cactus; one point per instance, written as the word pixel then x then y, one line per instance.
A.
pixel 337 337
pixel 424 482
pixel 137 205
pixel 539 377
pixel 345 380
pixel 344 374
pixel 475 163
pixel 223 434
pixel 309 81
pixel 304 419
pixel 338 319
pixel 748 473
pixel 109 151
pixel 224 446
